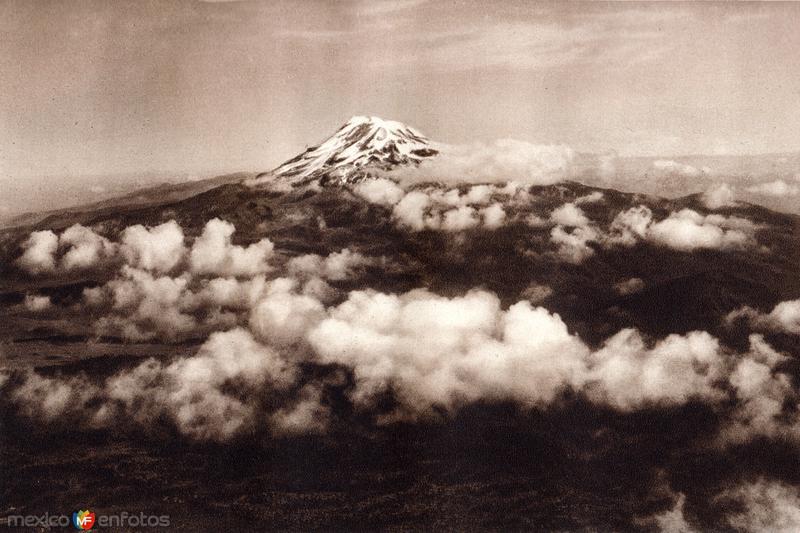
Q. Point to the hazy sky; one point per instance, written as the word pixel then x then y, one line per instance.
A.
pixel 110 87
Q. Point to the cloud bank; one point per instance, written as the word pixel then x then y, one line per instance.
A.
pixel 685 231
pixel 574 235
pixel 501 161
pixel 432 208
pixel 777 188
pixel 431 353
pixel 753 506
pixel 668 166
pixel 718 196
pixel 784 317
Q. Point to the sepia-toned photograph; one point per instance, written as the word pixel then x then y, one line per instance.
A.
pixel 399 265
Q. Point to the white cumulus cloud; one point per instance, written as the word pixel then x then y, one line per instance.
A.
pixel 159 248
pixel 39 251
pixel 784 317
pixel 719 195
pixel 214 254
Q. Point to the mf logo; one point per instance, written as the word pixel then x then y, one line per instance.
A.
pixel 83 519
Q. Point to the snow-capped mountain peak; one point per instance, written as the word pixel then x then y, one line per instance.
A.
pixel 362 144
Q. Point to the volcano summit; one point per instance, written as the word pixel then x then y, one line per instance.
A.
pixel 361 145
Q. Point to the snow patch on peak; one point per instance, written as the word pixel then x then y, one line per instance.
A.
pixel 362 144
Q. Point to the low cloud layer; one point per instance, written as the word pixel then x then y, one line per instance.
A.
pixel 668 166
pixel 264 323
pixel 536 293
pixel 629 286
pixel 687 230
pixel 752 506
pixel 764 506
pixel 777 188
pixel 214 254
pixel 569 215
pixel 572 232
pixel 501 161
pixel 39 252
pixel 160 249
pixel 432 208
pixel 430 353
pixel 37 303
pixel 719 195
pixel 335 267
pixel 157 249
pixel 138 305
pixel 576 236
pixel 784 318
